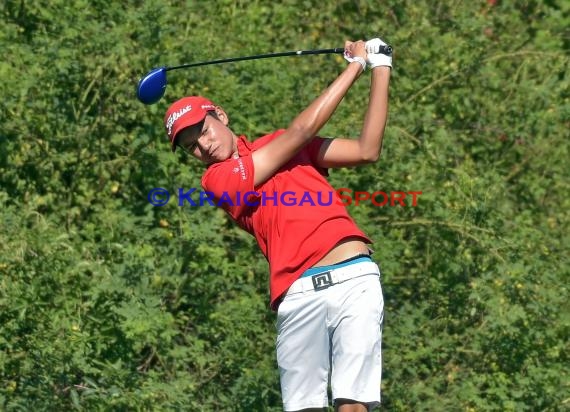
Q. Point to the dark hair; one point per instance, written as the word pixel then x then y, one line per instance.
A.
pixel 213 114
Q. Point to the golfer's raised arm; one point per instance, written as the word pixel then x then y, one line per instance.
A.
pixel 367 148
pixel 269 158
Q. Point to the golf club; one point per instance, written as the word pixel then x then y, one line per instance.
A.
pixel 151 87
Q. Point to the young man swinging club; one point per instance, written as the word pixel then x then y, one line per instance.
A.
pixel 323 284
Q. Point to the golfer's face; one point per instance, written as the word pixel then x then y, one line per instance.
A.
pixel 212 143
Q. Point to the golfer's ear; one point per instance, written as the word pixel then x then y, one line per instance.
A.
pixel 222 116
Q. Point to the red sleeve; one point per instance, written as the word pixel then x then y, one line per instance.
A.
pixel 228 183
pixel 313 149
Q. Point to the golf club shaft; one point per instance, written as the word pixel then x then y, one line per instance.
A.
pixel 337 50
pixel 151 87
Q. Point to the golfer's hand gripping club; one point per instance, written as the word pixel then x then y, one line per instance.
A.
pixel 349 54
pixel 376 53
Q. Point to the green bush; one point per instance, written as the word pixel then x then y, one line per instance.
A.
pixel 108 303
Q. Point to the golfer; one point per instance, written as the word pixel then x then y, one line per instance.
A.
pixel 324 285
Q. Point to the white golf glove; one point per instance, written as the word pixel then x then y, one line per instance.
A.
pixel 355 59
pixel 374 58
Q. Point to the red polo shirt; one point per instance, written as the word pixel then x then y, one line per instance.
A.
pixel 296 215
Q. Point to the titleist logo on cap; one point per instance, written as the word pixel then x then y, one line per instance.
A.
pixel 175 116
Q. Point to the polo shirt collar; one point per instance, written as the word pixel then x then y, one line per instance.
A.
pixel 243 146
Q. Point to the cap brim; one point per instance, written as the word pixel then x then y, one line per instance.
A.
pixel 185 126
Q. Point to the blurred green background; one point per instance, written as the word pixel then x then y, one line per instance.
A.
pixel 110 304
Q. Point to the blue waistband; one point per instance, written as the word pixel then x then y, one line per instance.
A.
pixel 320 269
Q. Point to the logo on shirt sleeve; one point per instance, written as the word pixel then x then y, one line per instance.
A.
pixel 240 169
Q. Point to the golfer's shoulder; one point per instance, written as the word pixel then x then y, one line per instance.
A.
pixel 232 172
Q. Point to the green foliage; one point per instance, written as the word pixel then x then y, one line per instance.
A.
pixel 107 303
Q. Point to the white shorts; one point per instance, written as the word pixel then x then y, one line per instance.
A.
pixel 334 331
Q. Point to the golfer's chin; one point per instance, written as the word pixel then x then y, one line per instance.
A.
pixel 217 157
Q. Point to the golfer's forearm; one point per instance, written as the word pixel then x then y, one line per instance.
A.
pixel 376 115
pixel 314 117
